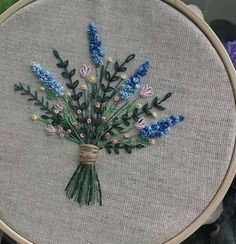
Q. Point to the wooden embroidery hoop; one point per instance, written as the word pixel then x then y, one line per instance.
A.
pixel 202 25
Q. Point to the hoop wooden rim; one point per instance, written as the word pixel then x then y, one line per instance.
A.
pixel 203 26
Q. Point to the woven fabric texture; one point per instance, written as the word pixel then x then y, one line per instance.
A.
pixel 150 195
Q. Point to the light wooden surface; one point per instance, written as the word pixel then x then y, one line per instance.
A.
pixel 231 170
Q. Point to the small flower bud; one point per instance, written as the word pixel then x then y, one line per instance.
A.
pixel 123 76
pixel 152 141
pixel 114 142
pixel 34 117
pixel 109 59
pixel 42 88
pixel 116 98
pixel 67 94
pixel 139 105
pixel 92 79
pixel 83 88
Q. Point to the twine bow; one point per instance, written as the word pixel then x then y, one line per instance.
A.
pixel 88 154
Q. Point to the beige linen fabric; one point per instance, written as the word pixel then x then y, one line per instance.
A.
pixel 148 196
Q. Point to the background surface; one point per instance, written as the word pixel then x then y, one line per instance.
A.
pixel 216 9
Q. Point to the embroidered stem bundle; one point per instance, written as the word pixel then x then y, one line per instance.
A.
pixel 103 109
pixel 88 154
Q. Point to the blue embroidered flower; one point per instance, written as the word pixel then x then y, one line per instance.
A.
pixel 159 128
pixel 133 83
pixel 47 80
pixel 95 45
pixel 231 49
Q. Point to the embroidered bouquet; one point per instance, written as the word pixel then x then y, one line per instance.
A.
pixel 102 111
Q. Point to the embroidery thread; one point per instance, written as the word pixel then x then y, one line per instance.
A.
pixel 104 111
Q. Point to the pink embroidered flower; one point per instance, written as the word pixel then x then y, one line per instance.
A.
pixel 84 71
pixel 140 124
pixel 61 135
pixel 98 105
pixel 50 130
pixel 58 107
pixel 114 142
pixel 89 121
pixel 126 135
pixel 79 111
pixel 146 91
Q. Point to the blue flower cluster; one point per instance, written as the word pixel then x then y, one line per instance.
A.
pixel 133 83
pixel 95 45
pixel 231 49
pixel 159 128
pixel 47 80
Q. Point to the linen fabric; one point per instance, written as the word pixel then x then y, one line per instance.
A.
pixel 154 193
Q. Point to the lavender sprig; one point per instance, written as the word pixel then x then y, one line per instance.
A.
pixel 130 87
pixel 47 80
pixel 95 45
pixel 159 128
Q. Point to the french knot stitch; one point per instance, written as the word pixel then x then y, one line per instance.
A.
pixel 88 154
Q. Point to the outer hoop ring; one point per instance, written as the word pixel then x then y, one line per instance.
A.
pixel 203 26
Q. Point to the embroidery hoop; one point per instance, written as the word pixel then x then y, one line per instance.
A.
pixel 181 7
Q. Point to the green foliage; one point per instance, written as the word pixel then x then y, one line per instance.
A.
pixel 5 4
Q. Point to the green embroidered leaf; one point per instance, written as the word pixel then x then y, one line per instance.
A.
pixel 56 54
pixel 145 107
pixel 135 112
pixel 61 65
pixel 45 117
pixel 83 106
pixel 128 149
pixel 168 95
pixel 103 87
pixel 140 146
pixel 125 116
pixel 126 122
pixel 116 66
pixel 121 69
pixel 155 101
pixel 115 78
pixel 129 58
pixel 116 150
pixel 105 99
pixel 18 87
pixel 108 76
pixel 109 89
pixel 72 73
pixel 148 113
pixel 75 84
pixel 99 110
pixel 70 86
pixel 159 107
pixel 99 98
pixel 65 75
pixel 66 63
pixel 77 96
pixel 108 150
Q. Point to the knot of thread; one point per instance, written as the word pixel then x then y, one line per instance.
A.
pixel 88 154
